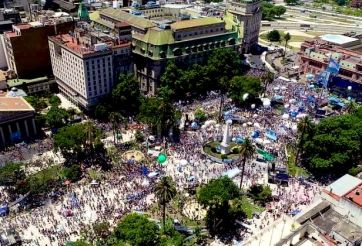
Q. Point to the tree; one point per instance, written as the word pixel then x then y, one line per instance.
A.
pixel 304 125
pixel 101 111
pixel 267 78
pixel 240 85
pixel 200 114
pixel 78 141
pixel 231 66
pixel 165 191
pixel 222 188
pixel 291 2
pixel 247 152
pixel 218 195
pixel 158 113
pixel 56 117
pixel 286 37
pixel 126 95
pixel 11 173
pixel 273 36
pixel 137 230
pixel 334 145
pixel 116 119
pixel 171 84
pixel 36 102
pixel 55 101
pixel 279 10
pixel 260 193
pixel 72 173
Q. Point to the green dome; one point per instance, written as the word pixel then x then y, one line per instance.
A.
pixel 83 12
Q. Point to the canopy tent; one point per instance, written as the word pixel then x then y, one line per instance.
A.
pixel 153 175
pixel 269 133
pixel 232 173
pixel 266 155
pixel 4 210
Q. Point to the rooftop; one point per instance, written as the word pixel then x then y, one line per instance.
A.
pixel 195 23
pixel 355 195
pixel 337 39
pixel 343 185
pixel 18 82
pixel 14 104
pixel 120 15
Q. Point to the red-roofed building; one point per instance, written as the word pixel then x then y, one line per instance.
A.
pixel 27 47
pixel 95 59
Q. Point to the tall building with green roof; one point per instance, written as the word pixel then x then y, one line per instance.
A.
pixel 163 35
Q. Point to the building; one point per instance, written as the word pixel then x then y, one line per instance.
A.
pixel 315 56
pixel 33 86
pixel 8 17
pixel 334 218
pixel 163 33
pixel 95 60
pixel 27 46
pixel 16 120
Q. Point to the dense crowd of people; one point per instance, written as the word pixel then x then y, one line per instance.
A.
pixel 121 192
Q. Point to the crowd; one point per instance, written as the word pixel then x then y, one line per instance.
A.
pixel 121 192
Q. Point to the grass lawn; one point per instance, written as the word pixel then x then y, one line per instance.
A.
pixel 294 38
pixel 293 169
pixel 209 146
pixel 249 207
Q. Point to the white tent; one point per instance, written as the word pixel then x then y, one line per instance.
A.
pixel 232 173
pixel 285 116
pixel 183 162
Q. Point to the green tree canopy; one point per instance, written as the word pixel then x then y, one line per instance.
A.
pixel 158 113
pixel 126 94
pixel 78 141
pixel 56 117
pixel 240 85
pixel 334 145
pixel 279 10
pixel 222 66
pixel 223 189
pixel 260 193
pixel 37 103
pixel 274 36
pixel 11 173
pixel 55 101
pixel 291 2
pixel 200 114
pixel 137 230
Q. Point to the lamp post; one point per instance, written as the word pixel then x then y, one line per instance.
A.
pixel 349 89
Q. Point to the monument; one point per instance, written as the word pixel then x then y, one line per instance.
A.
pixel 224 146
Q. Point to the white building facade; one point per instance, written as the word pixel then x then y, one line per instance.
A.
pixel 82 76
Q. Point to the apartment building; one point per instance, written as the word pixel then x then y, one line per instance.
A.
pixel 86 65
pixel 27 47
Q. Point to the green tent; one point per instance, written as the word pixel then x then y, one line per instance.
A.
pixel 266 155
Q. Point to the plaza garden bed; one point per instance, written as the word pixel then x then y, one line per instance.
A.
pixel 210 149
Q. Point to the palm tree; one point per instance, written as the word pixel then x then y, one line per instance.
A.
pixel 247 151
pixel 351 107
pixel 115 118
pixel 286 38
pixel 304 125
pixel 165 191
pixel 267 79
